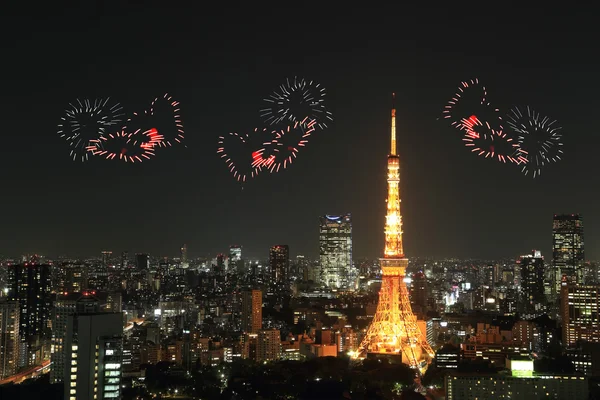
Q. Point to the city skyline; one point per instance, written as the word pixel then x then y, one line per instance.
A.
pixel 456 204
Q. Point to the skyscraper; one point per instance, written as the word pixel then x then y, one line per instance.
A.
pixel 9 338
pixel 184 256
pixel 64 306
pixel 580 312
pixel 251 311
pixel 29 285
pixel 532 299
pixel 235 258
pixel 335 251
pixel 93 356
pixel 142 261
pixel 567 250
pixel 279 262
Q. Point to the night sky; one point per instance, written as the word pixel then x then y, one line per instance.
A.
pixel 220 64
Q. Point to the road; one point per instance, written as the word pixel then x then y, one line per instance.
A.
pixel 28 373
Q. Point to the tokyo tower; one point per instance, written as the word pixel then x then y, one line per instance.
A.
pixel 394 330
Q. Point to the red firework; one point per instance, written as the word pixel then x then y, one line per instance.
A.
pixel 496 145
pixel 127 146
pixel 243 153
pixel 164 115
pixel 471 100
pixel 286 144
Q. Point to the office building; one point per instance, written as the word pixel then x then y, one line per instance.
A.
pixel 521 383
pixel 142 261
pixel 236 262
pixel 532 299
pixel 579 312
pixel 9 338
pixel 66 305
pixel 268 345
pixel 279 263
pixel 335 251
pixel 567 250
pixel 29 285
pixel 93 356
pixel 251 311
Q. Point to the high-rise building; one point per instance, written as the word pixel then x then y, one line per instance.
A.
pixel 235 258
pixel 279 263
pixel 268 345
pixel 64 306
pixel 29 285
pixel 567 250
pixel 394 330
pixel 142 261
pixel 532 299
pixel 106 256
pixel 72 277
pixel 335 251
pixel 580 312
pixel 93 356
pixel 419 293
pixel 184 256
pixel 9 338
pixel 251 311
pixel 124 260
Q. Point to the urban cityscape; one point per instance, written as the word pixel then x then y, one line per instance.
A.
pixel 121 280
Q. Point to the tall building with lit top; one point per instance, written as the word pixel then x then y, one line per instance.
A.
pixel 567 250
pixel 335 251
pixel 279 262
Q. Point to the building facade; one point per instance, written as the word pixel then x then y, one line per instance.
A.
pixel 9 338
pixel 335 251
pixel 93 356
pixel 279 263
pixel 567 250
pixel 580 313
pixel 251 311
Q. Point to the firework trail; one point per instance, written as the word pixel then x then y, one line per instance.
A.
pixel 243 153
pixel 164 116
pixel 85 121
pixel 469 103
pixel 539 138
pixel 131 147
pixel 294 101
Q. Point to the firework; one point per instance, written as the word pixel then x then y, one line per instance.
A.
pixel 296 100
pixel 85 122
pixel 164 116
pixel 243 153
pixel 125 146
pixel 470 103
pixel 284 148
pixel 540 139
pixel 496 145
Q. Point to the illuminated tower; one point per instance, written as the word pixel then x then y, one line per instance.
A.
pixel 394 330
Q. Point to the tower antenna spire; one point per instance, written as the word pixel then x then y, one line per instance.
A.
pixel 393 146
